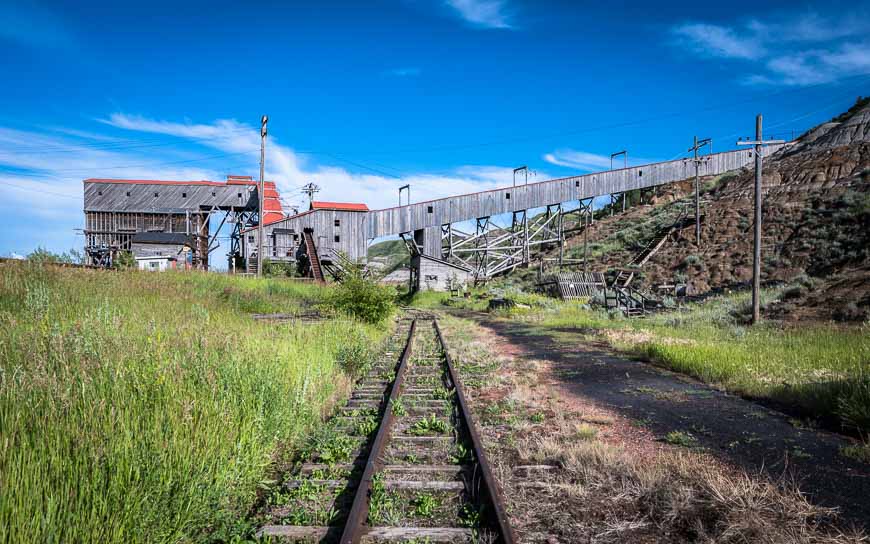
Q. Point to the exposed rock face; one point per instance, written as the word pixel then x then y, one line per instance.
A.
pixel 816 222
pixel 854 128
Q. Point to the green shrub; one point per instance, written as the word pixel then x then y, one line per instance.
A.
pixel 125 261
pixel 363 298
pixel 278 269
pixel 692 260
pixel 355 353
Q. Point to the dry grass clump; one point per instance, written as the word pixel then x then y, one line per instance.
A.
pixel 680 496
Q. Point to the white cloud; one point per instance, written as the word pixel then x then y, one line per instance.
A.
pixel 806 49
pixel 41 180
pixel 43 171
pixel 483 13
pixel 590 162
pixel 578 159
pixel 291 170
pixel 720 41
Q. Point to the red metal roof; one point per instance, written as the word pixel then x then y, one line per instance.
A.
pixel 340 206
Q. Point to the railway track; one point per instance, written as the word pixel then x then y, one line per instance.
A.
pixel 401 462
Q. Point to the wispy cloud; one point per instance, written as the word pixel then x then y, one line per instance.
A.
pixel 41 176
pixel 291 170
pixel 404 72
pixel 483 13
pixel 719 41
pixel 798 50
pixel 41 171
pixel 579 160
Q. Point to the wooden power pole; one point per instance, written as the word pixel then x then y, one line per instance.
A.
pixel 262 212
pixel 759 144
pixel 698 145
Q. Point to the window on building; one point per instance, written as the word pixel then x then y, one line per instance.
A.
pixel 640 173
pixel 100 193
pixel 154 264
pixel 156 195
pixel 429 209
pixel 338 222
pixel 577 183
pixel 507 196
pixel 240 195
pixel 128 193
pixel 251 238
pixel 430 277
pixel 337 238
pixel 183 195
pixel 214 193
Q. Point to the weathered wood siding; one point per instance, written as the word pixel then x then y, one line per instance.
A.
pixel 434 213
pixel 350 232
pixel 436 275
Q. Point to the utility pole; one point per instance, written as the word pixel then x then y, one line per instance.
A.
pixel 759 144
pixel 309 189
pixel 262 213
pixel 698 145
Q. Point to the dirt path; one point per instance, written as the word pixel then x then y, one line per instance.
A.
pixel 736 431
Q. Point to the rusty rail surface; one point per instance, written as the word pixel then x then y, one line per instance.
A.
pixel 422 364
pixel 489 488
pixel 488 493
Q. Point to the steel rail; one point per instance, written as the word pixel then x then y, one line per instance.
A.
pixel 354 527
pixel 490 488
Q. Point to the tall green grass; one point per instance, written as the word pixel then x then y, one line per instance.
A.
pixel 142 407
pixel 819 370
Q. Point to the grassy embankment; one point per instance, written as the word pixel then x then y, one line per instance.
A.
pixel 148 407
pixel 818 371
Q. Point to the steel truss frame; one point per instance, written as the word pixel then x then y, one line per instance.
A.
pixel 493 249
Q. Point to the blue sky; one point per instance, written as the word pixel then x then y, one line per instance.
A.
pixel 448 95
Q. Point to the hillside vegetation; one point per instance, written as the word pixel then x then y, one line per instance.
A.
pixel 142 407
pixel 815 227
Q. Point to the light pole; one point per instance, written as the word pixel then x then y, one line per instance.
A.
pixel 262 215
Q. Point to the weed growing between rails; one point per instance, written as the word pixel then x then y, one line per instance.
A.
pixel 578 472
pixel 147 407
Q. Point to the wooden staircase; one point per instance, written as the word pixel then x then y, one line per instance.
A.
pixel 315 269
pixel 626 274
pixel 632 302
